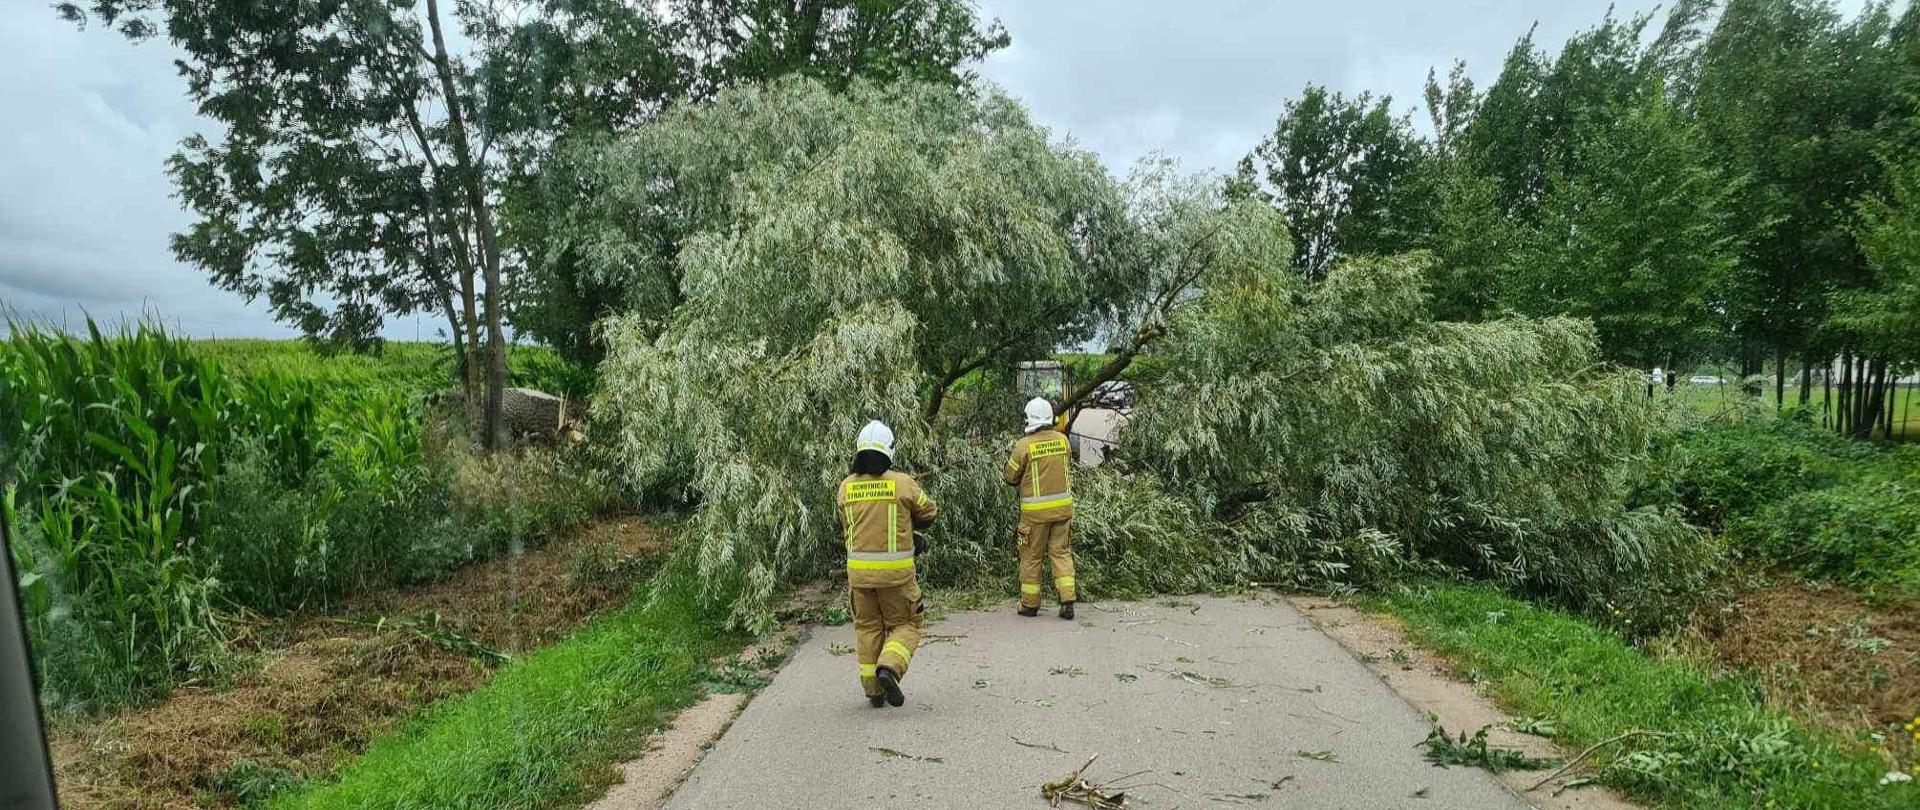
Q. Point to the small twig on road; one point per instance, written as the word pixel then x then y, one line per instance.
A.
pixel 1047 747
pixel 1595 747
pixel 1337 714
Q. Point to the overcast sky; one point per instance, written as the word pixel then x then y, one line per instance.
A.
pixel 86 206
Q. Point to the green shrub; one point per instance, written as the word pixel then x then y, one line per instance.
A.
pixel 1789 493
pixel 1865 533
pixel 1732 469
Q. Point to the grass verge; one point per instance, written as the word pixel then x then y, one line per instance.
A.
pixel 1715 743
pixel 548 726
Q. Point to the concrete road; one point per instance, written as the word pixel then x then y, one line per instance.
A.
pixel 1215 702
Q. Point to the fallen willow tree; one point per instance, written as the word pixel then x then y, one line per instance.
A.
pixel 799 261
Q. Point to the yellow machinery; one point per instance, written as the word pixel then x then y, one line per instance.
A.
pixel 1050 380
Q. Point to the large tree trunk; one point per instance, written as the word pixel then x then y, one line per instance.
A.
pixel 470 181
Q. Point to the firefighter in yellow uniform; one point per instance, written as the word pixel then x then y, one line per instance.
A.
pixel 879 509
pixel 1038 468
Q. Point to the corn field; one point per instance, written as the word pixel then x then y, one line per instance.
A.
pixel 156 496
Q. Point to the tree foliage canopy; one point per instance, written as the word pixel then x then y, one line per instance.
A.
pixel 845 253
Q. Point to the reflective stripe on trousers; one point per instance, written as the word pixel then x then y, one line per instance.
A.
pixel 898 649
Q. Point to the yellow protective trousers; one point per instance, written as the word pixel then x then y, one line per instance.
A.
pixel 1052 542
pixel 886 630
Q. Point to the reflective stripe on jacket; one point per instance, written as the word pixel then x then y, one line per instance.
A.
pixel 877 516
pixel 1039 469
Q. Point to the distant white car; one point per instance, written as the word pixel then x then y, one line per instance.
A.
pixel 1113 394
pixel 1705 379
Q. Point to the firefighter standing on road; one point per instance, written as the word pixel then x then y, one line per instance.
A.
pixel 1038 469
pixel 879 509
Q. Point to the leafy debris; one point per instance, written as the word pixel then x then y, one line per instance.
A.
pixel 1443 751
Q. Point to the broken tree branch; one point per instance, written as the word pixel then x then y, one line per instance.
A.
pixel 1595 747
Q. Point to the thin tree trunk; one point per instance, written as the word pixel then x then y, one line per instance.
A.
pixel 1843 410
pixel 1906 431
pixel 1826 396
pixel 1891 399
pixel 483 232
pixel 1806 378
pixel 1779 377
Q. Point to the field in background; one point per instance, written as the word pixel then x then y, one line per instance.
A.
pixel 1713 400
pixel 416 368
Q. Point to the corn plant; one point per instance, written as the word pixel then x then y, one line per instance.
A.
pixel 116 441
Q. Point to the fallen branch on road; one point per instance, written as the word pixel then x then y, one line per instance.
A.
pixel 1075 788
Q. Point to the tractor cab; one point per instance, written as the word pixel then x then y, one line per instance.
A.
pixel 1046 379
pixel 1049 380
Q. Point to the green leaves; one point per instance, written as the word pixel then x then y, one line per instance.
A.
pixel 1444 751
pixel 1343 172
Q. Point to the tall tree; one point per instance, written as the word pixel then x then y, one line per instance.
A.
pixel 1539 110
pixel 1635 236
pixel 348 183
pixel 1789 94
pixel 603 66
pixel 1343 172
pixel 1470 236
pixel 1881 317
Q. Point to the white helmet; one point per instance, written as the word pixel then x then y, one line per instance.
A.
pixel 876 436
pixel 1039 414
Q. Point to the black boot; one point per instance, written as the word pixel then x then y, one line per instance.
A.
pixel 890 684
pixel 876 701
pixel 1066 610
pixel 1029 611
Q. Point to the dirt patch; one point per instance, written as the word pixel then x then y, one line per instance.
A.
pixel 1424 679
pixel 646 783
pixel 1822 652
pixel 327 683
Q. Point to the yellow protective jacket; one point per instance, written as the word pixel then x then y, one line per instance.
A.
pixel 877 517
pixel 1038 468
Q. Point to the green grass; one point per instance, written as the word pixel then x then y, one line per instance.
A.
pixel 548 725
pixel 1721 745
pixel 1712 400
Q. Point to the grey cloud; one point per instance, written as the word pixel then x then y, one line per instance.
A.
pixel 86 206
pixel 1204 81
